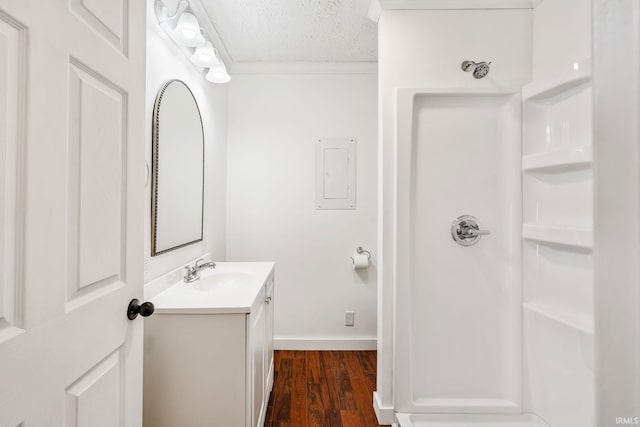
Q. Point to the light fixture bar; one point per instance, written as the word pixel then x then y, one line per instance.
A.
pixel 188 35
pixel 162 13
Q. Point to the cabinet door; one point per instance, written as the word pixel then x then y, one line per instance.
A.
pixel 268 369
pixel 257 335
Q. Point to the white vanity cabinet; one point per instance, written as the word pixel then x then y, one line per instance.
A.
pixel 209 366
pixel 260 335
pixel 270 301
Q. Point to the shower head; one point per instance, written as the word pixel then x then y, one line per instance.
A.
pixel 480 69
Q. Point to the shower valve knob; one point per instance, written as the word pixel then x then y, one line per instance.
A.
pixel 466 231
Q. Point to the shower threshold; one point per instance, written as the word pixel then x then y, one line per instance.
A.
pixel 468 420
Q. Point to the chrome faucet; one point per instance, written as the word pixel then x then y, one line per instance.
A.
pixel 193 273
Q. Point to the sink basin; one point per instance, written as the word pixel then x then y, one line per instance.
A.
pixel 232 287
pixel 221 281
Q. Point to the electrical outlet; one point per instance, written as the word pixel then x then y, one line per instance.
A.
pixel 349 318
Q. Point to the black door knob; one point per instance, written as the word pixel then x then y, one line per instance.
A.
pixel 145 309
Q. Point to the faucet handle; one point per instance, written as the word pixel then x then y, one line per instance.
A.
pixel 475 232
pixel 201 260
pixel 191 274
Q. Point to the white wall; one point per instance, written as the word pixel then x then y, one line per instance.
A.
pixel 616 91
pixel 274 120
pixel 165 62
pixel 424 49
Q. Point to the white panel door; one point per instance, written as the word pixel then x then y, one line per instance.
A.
pixel 71 204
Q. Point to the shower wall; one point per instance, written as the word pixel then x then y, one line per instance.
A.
pixel 424 49
pixel 558 218
pixel 458 308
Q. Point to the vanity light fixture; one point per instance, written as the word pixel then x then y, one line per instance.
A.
pixel 205 56
pixel 184 29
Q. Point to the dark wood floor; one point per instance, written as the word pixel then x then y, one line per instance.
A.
pixel 323 388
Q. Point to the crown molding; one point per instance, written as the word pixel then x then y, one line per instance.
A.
pixel 377 6
pixel 304 68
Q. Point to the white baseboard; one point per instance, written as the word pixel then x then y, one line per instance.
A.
pixel 324 344
pixel 385 414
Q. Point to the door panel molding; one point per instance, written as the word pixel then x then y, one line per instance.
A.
pixel 13 63
pixel 96 192
pixel 108 19
pixel 96 398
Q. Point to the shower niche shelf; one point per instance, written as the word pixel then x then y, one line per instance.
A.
pixel 565 123
pixel 573 79
pixel 566 317
pixel 562 198
pixel 578 237
pixel 559 160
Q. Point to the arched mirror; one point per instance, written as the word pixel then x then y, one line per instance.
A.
pixel 177 169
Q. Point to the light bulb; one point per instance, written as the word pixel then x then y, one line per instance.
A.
pixel 218 75
pixel 205 56
pixel 187 32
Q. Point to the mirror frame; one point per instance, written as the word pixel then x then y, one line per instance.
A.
pixel 155 137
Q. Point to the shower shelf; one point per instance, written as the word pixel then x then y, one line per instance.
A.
pixel 559 160
pixel 579 237
pixel 563 316
pixel 559 86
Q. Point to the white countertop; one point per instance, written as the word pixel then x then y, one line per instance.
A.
pixel 232 287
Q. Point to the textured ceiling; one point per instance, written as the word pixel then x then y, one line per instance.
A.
pixel 295 30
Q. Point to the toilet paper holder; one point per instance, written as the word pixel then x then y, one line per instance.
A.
pixel 360 250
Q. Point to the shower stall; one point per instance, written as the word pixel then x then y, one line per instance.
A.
pixel 458 341
pixel 487 198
